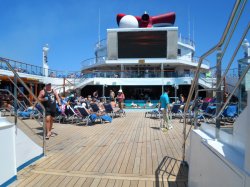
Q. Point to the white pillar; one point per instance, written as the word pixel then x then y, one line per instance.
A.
pixel 45 60
pixel 122 71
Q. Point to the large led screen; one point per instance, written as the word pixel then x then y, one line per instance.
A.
pixel 146 44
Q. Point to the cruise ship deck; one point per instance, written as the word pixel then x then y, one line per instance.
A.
pixel 130 151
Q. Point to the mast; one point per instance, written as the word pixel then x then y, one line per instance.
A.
pixel 189 23
pixel 99 28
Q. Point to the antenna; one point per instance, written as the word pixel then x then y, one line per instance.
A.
pixel 99 28
pixel 189 22
pixel 193 31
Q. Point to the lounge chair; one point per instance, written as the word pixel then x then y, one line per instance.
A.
pixel 157 113
pixel 71 114
pixel 230 113
pixel 84 114
pixel 176 112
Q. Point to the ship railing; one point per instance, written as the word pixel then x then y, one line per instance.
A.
pixel 102 43
pixel 93 61
pixel 136 74
pixel 205 62
pixel 145 74
pixel 22 67
pixel 17 83
pixel 220 48
pixel 186 41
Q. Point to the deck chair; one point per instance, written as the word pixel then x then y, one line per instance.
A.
pixel 157 113
pixel 7 111
pixel 39 114
pixel 95 116
pixel 230 113
pixel 208 115
pixel 203 106
pixel 71 115
pixel 60 116
pixel 21 106
pixel 121 113
pixel 176 112
pixel 94 107
pixel 84 114
pixel 27 114
pixel 109 110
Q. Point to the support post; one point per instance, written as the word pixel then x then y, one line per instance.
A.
pixel 36 90
pixel 196 108
pixel 219 91
pixel 15 99
pixel 162 70
pixel 64 87
pixel 103 90
pixel 122 71
pixel 30 96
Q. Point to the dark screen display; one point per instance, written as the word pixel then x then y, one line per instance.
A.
pixel 149 44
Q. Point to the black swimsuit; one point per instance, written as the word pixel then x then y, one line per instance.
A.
pixel 50 104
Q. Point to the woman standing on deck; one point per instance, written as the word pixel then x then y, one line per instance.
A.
pixel 120 98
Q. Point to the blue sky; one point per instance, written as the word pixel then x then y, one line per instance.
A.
pixel 70 27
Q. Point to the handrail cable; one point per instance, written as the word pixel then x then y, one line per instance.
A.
pixel 33 95
pixel 228 66
pixel 213 49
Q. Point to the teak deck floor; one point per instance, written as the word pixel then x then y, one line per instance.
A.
pixel 129 152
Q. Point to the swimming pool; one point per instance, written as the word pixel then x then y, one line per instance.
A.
pixel 140 104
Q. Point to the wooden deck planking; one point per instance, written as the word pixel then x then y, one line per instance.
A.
pixel 24 181
pixel 103 156
pixel 119 152
pixel 80 182
pixel 108 154
pixel 125 149
pixel 118 183
pixel 153 146
pixel 131 162
pixel 113 154
pixel 131 151
pixel 75 157
pixel 73 181
pixel 103 183
pixel 74 150
pixel 88 156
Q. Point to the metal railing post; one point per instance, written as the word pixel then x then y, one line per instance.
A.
pixel 213 49
pixel 15 101
pixel 219 91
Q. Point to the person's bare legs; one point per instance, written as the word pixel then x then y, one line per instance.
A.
pixel 51 123
pixel 48 126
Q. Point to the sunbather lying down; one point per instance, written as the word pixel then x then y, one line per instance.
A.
pixel 96 115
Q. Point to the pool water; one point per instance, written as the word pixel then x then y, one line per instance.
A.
pixel 140 103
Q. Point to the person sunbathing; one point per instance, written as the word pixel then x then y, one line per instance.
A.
pixel 148 104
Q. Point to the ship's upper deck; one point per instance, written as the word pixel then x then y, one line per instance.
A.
pixel 144 46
